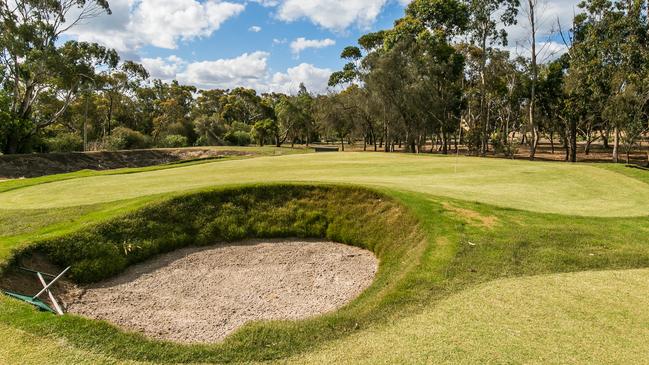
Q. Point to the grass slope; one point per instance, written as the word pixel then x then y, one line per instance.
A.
pixel 482 287
pixel 589 317
pixel 577 318
pixel 535 186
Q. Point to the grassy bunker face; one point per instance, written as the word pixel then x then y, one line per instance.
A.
pixel 360 218
pixel 201 295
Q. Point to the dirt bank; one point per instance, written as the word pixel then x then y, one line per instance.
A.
pixel 41 164
pixel 200 295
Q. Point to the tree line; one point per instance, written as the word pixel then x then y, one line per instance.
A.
pixel 441 75
pixel 439 81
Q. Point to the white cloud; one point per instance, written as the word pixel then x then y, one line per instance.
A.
pixel 549 14
pixel 164 69
pixel 315 79
pixel 255 29
pixel 161 23
pixel 248 70
pixel 336 15
pixel 302 43
pixel 245 70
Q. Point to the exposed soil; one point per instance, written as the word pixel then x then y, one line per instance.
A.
pixel 41 164
pixel 200 295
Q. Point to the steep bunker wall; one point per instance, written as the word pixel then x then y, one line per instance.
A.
pixel 381 237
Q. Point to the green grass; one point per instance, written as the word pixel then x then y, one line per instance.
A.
pixel 535 186
pixel 12 184
pixel 577 318
pixel 475 255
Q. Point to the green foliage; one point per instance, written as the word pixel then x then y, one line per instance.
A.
pixel 238 138
pixel 265 130
pixel 173 141
pixel 124 138
pixel 12 129
pixel 41 64
pixel 505 146
pixel 210 129
pixel 64 142
pixel 448 16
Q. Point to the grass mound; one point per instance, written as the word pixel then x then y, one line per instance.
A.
pixel 348 215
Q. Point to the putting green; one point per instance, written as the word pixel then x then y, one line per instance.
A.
pixel 534 186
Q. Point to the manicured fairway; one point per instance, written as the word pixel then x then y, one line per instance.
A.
pixel 484 260
pixel 579 318
pixel 539 187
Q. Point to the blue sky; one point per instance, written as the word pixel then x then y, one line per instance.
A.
pixel 269 45
pixel 234 38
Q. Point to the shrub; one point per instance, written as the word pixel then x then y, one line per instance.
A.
pixel 64 142
pixel 124 138
pixel 240 127
pixel 504 146
pixel 264 130
pixel 238 138
pixel 173 141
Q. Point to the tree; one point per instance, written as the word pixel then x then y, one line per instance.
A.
pixel 173 106
pixel 115 84
pixel 264 129
pixel 487 19
pixel 332 115
pixel 33 63
pixel 608 59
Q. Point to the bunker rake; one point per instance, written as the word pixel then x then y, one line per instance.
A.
pixel 35 300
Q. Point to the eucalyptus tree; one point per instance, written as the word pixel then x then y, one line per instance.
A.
pixel 333 116
pixel 608 58
pixel 33 62
pixel 412 73
pixel 117 86
pixel 173 109
pixel 485 30
pixel 551 101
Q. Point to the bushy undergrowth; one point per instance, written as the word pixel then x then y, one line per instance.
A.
pixel 64 142
pixel 124 138
pixel 173 141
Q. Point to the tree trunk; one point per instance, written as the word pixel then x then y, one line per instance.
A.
pixel 616 145
pixel 573 140
pixel 552 142
pixel 605 137
pixel 628 156
pixel 535 134
pixel 566 148
pixel 445 142
pixel 589 140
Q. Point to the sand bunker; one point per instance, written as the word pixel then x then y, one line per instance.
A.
pixel 201 295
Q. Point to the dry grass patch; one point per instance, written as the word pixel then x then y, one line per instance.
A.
pixel 472 217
